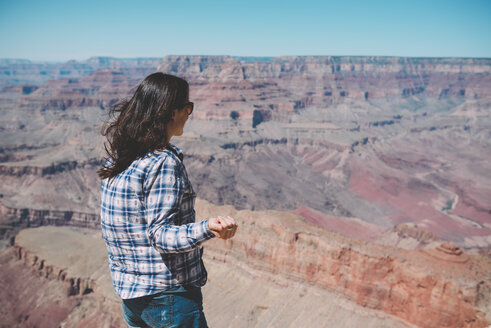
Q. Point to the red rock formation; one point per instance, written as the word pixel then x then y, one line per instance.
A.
pixel 235 295
pixel 351 227
pixel 391 141
pixel 448 252
pixel 404 283
pixel 102 89
pixel 441 287
pixel 382 139
pixel 322 81
pixel 41 295
pixel 27 217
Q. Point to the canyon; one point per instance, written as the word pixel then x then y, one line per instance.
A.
pixel 372 171
pixel 328 279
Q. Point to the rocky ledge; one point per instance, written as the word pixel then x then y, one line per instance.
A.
pixel 274 253
pixel 49 288
pixel 431 287
pixel 52 288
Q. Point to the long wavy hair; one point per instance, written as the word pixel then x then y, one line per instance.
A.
pixel 138 125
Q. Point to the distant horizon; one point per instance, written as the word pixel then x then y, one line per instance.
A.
pixel 234 56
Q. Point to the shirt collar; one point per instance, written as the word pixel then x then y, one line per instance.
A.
pixel 176 150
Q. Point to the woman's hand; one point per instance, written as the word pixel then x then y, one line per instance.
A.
pixel 222 227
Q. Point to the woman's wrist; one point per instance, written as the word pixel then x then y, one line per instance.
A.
pixel 207 229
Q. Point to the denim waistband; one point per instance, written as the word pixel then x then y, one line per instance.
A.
pixel 180 289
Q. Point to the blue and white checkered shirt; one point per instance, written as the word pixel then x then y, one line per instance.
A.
pixel 148 224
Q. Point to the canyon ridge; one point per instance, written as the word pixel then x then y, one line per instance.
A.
pixel 362 185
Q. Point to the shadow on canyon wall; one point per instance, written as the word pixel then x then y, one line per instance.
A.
pixel 389 152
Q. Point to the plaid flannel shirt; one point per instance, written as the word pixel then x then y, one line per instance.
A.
pixel 148 224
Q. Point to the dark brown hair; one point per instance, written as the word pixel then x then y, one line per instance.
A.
pixel 138 125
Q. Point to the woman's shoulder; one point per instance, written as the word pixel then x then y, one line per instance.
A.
pixel 171 156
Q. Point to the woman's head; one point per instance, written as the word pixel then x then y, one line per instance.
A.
pixel 146 121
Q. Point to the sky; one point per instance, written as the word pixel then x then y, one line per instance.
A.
pixel 62 30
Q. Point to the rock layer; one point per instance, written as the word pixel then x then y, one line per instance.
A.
pixel 388 150
pixel 280 249
pixel 377 141
pixel 406 284
pixel 236 294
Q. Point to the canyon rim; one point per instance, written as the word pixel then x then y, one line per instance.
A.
pixel 370 176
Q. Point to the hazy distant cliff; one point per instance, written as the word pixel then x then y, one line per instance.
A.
pixel 391 152
pixel 306 81
pixel 359 137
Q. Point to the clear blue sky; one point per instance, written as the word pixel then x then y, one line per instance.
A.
pixel 63 30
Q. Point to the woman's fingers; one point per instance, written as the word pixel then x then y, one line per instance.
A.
pixel 216 227
pixel 230 226
pixel 223 227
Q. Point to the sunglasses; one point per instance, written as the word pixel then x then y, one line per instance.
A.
pixel 189 105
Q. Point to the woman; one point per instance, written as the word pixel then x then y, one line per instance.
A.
pixel 147 209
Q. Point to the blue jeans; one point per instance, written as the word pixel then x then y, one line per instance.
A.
pixel 166 309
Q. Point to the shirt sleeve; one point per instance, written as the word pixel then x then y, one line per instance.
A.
pixel 164 188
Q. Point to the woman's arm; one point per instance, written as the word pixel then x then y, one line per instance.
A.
pixel 164 188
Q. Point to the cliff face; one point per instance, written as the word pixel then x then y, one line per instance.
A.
pixel 294 83
pixel 382 141
pixel 32 217
pixel 14 219
pixel 280 254
pixel 53 169
pixel 100 89
pixel 73 289
pixel 391 151
pixel 25 72
pixel 283 84
pixel 43 293
pixel 436 287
